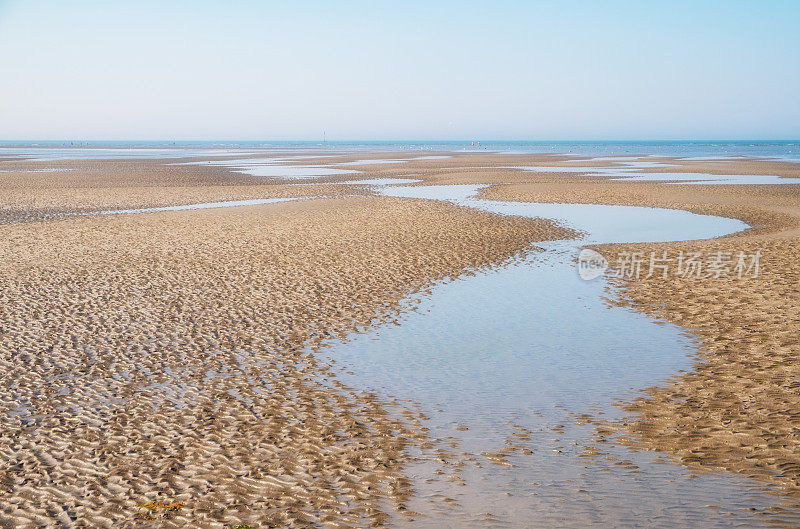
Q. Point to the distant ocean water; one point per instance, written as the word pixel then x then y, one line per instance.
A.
pixel 785 150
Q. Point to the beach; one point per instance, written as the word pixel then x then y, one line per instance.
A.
pixel 168 368
pixel 734 411
pixel 154 370
pixel 399 265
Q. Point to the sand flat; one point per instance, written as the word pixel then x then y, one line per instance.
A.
pixel 153 373
pixel 736 410
pixel 152 364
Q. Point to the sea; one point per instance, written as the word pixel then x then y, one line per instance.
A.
pixel 788 150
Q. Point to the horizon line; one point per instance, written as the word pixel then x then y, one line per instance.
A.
pixel 407 140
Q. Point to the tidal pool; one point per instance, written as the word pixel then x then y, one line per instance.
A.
pixel 627 171
pixel 503 361
pixel 382 161
pixel 376 161
pixel 46 154
pixel 199 205
pixel 275 168
pixel 381 181
pixel 710 179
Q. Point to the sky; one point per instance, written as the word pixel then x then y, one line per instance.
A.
pixel 391 70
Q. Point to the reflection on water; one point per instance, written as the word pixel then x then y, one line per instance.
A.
pixel 627 171
pixel 380 181
pixel 503 361
pixel 276 168
pixel 46 154
pixel 601 223
pixel 711 179
pixel 382 161
pixel 289 171
pixel 200 205
pixel 45 170
pixel 376 161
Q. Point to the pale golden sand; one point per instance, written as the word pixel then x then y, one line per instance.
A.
pixel 738 409
pixel 90 186
pixel 30 190
pixel 152 364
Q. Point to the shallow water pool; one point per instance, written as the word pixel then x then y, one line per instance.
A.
pixel 504 360
pixel 627 171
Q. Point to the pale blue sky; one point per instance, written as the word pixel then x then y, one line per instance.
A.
pixel 374 70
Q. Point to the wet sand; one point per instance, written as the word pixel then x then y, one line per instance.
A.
pixel 737 410
pixel 153 364
pixel 153 372
pixel 32 191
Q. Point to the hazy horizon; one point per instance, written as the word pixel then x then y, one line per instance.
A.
pixel 481 141
pixel 372 71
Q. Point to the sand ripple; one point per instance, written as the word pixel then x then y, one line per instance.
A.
pixel 153 371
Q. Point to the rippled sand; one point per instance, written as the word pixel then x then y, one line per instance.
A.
pixel 738 410
pixel 30 192
pixel 153 372
pixel 152 365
